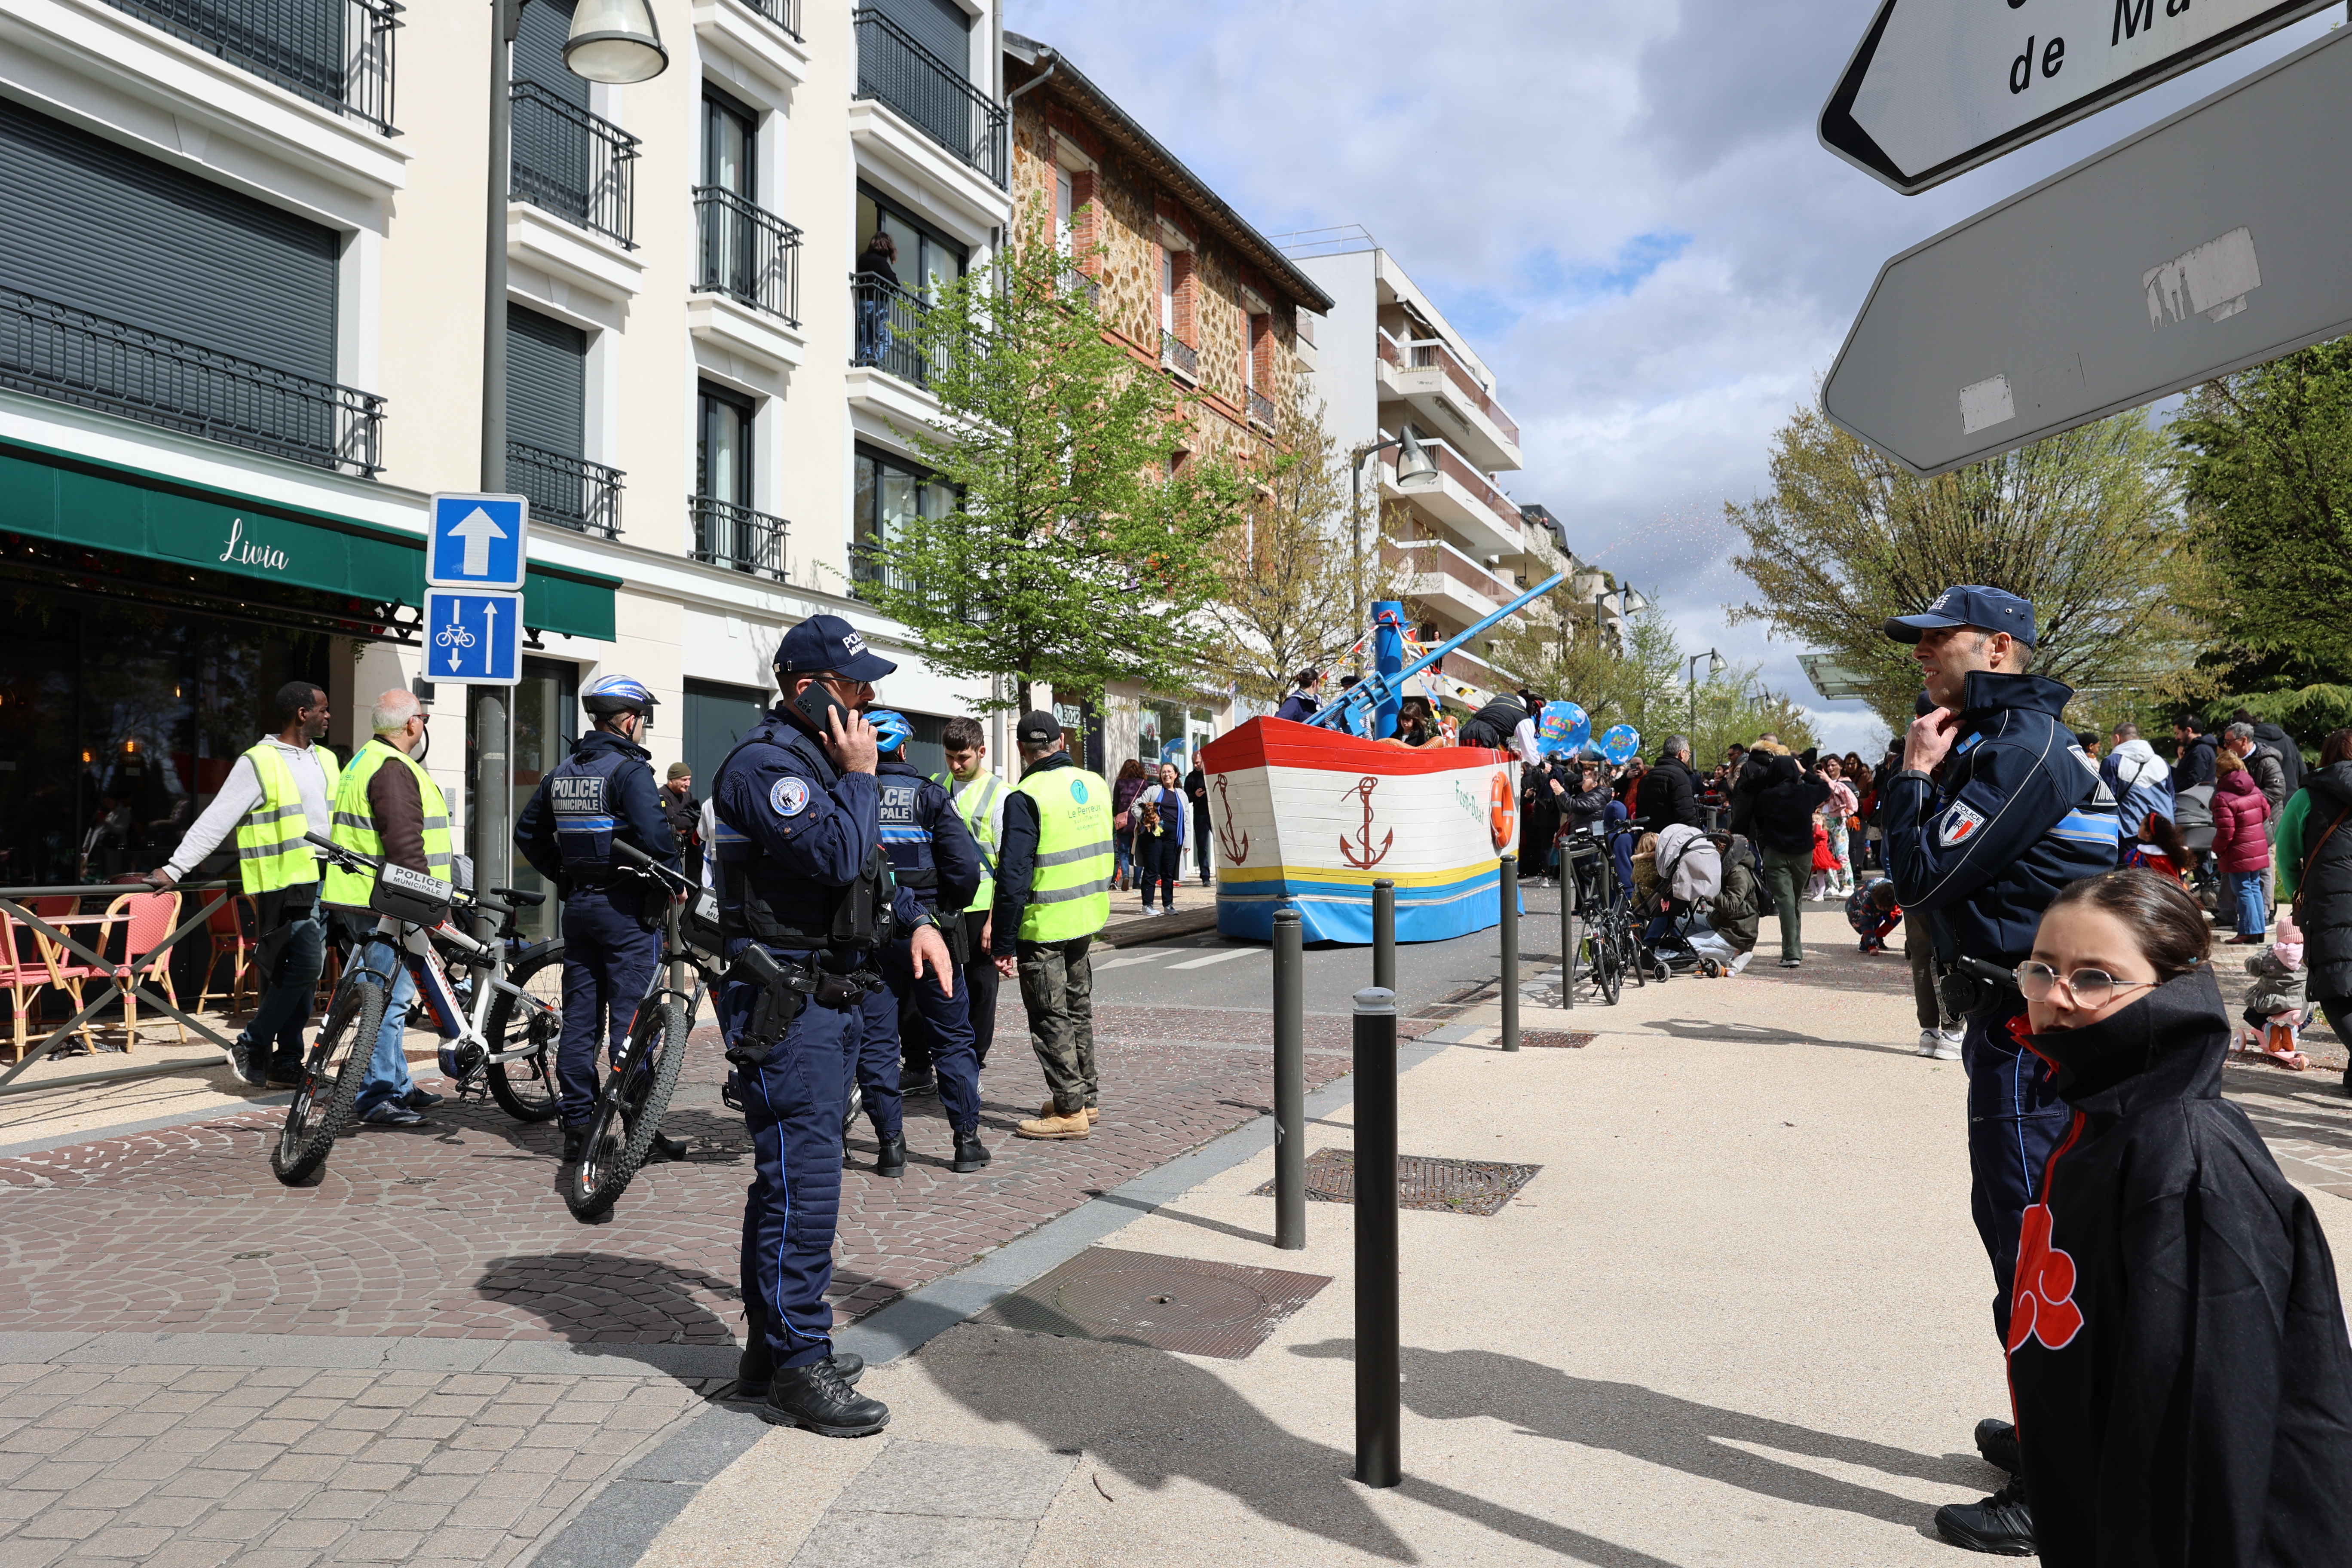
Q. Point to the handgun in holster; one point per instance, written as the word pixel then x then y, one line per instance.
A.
pixel 782 993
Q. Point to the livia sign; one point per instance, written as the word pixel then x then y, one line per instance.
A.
pixel 1938 86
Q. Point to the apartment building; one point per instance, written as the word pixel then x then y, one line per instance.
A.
pixel 1184 284
pixel 1393 369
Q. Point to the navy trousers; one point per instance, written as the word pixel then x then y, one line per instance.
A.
pixel 2015 1120
pixel 943 1024
pixel 793 1103
pixel 872 1053
pixel 608 965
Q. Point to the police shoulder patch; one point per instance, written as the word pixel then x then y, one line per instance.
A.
pixel 1959 824
pixel 790 796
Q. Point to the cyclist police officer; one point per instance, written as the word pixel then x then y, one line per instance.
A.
pixel 932 853
pixel 1996 808
pixel 604 791
pixel 806 898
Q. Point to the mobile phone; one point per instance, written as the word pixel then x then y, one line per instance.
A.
pixel 817 705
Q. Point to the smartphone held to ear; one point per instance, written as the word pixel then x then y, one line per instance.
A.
pixel 817 705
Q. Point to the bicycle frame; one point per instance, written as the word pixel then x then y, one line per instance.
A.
pixel 417 946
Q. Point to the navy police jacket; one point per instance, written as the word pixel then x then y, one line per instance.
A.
pixel 929 848
pixel 603 790
pixel 795 835
pixel 2016 812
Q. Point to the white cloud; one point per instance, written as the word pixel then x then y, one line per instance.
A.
pixel 1623 207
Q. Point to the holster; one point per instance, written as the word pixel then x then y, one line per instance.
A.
pixel 958 937
pixel 781 992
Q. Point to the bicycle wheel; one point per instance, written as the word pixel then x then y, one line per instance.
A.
pixel 628 1111
pixel 323 1105
pixel 1629 954
pixel 1608 974
pixel 525 1087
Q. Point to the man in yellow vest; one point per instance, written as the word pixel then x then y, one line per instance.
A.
pixel 1053 893
pixel 280 788
pixel 388 806
pixel 979 798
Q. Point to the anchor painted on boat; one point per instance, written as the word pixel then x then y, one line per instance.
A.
pixel 1370 856
pixel 1234 852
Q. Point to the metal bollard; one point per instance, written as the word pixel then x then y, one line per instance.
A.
pixel 1289 1083
pixel 1379 1362
pixel 1384 934
pixel 1510 884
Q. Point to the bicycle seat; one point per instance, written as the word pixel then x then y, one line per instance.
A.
pixel 521 896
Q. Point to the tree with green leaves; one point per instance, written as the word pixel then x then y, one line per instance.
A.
pixel 2083 524
pixel 1082 551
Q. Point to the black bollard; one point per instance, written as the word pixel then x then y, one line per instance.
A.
pixel 1384 934
pixel 1289 1083
pixel 1510 884
pixel 1380 1362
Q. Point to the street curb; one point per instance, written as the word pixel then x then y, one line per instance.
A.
pixel 1158 928
pixel 152 1124
pixel 352 1352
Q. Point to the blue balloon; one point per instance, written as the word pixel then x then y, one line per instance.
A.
pixel 1563 726
pixel 1622 744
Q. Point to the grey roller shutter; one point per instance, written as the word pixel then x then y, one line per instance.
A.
pixel 95 226
pixel 941 27
pixel 538 51
pixel 547 382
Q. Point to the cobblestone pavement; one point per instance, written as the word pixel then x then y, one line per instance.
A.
pixel 182 1467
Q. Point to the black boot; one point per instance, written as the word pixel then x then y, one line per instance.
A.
pixel 918 1081
pixel 891 1160
pixel 971 1154
pixel 1997 1441
pixel 817 1398
pixel 669 1148
pixel 756 1368
pixel 576 1139
pixel 2000 1525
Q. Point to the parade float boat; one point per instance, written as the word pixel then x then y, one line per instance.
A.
pixel 1308 816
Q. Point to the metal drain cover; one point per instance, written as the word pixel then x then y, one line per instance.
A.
pixel 1449 1186
pixel 1179 1304
pixel 1573 1039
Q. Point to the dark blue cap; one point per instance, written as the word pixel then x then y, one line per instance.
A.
pixel 829 642
pixel 1987 609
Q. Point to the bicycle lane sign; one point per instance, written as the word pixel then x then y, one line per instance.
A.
pixel 472 638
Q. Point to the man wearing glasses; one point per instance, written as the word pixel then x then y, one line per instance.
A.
pixel 1996 809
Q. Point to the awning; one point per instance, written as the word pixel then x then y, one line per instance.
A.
pixel 79 500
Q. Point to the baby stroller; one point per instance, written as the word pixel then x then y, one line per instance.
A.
pixel 1689 872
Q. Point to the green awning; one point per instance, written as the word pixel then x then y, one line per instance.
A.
pixel 79 500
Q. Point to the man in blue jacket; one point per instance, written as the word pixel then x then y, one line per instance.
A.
pixel 1997 807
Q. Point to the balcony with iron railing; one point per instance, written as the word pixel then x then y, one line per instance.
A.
pixel 578 166
pixel 867 565
pixel 57 351
pixel 1426 372
pixel 785 13
pixel 748 253
pixel 569 492
pixel 336 53
pixel 1179 356
pixel 1261 409
pixel 934 96
pixel 735 537
pixel 888 320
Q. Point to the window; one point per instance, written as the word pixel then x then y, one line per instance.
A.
pixel 729 146
pixel 889 491
pixel 1249 350
pixel 927 258
pixel 1063 204
pixel 722 454
pixel 1167 290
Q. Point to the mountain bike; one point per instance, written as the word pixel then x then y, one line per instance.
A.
pixel 1603 944
pixel 496 1002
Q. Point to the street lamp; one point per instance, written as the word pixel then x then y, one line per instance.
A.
pixel 1417 470
pixel 1630 602
pixel 1714 669
pixel 614 42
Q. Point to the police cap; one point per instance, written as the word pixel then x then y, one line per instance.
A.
pixel 829 642
pixel 1968 605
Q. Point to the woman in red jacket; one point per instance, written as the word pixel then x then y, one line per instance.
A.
pixel 2240 844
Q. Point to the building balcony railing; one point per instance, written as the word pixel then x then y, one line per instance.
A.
pixel 748 253
pixel 336 53
pixel 1261 409
pixel 580 166
pixel 1178 355
pixel 569 492
pixel 737 538
pixel 1431 353
pixel 1074 283
pixel 888 318
pixel 55 351
pixel 785 13
pixel 936 97
pixel 866 564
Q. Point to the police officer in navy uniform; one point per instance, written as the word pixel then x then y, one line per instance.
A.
pixel 931 853
pixel 806 900
pixel 1996 808
pixel 604 790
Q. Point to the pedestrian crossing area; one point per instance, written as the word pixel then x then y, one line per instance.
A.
pixel 1183 957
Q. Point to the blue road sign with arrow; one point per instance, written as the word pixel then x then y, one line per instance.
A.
pixel 478 542
pixel 472 638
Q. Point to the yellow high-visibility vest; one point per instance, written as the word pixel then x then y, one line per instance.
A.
pixel 270 853
pixel 356 824
pixel 1069 893
pixel 976 803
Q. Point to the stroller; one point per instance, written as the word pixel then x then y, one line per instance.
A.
pixel 1689 873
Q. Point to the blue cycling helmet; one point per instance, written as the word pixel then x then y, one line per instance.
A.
pixel 892 729
pixel 617 694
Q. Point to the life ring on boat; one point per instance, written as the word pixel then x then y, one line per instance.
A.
pixel 1502 810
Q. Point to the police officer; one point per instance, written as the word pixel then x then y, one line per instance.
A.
pixel 931 855
pixel 1996 809
pixel 604 791
pixel 806 897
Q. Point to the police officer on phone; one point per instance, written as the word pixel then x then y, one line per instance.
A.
pixel 1996 808
pixel 807 901
pixel 933 854
pixel 604 790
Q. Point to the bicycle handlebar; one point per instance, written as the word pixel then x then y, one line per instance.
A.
pixel 648 863
pixel 355 860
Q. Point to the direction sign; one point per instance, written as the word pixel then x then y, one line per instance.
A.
pixel 478 542
pixel 2209 242
pixel 472 638
pixel 1938 86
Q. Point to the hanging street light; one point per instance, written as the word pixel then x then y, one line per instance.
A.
pixel 615 42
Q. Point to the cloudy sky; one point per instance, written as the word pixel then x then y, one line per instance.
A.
pixel 1623 207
